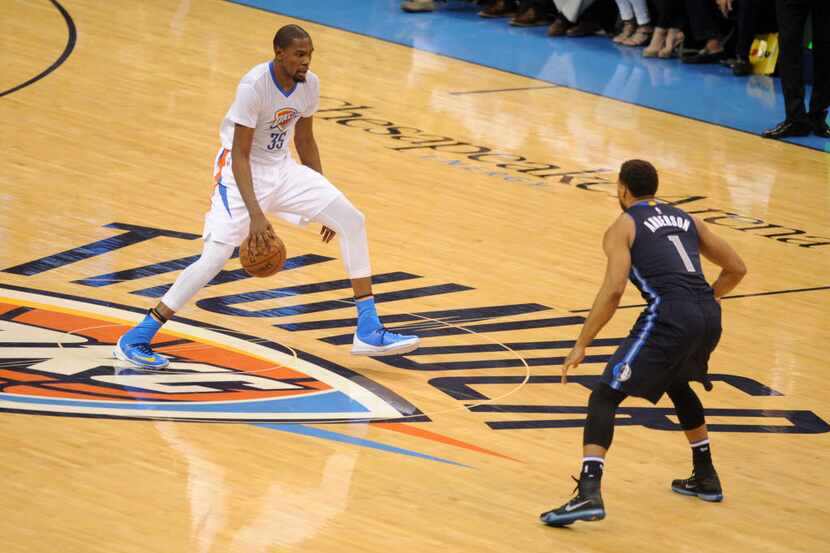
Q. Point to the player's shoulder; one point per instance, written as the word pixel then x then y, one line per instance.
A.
pixel 312 80
pixel 257 74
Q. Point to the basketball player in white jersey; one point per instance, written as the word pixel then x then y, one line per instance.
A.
pixel 255 174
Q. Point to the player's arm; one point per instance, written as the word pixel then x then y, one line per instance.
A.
pixel 310 157
pixel 617 246
pixel 306 144
pixel 260 230
pixel 715 249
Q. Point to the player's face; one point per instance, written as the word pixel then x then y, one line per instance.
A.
pixel 296 58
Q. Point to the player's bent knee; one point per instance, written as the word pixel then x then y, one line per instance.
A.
pixel 604 395
pixel 354 220
pixel 687 405
pixel 602 406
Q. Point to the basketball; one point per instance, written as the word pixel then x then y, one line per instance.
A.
pixel 263 263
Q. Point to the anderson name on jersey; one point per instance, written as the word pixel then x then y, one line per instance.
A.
pixel 262 104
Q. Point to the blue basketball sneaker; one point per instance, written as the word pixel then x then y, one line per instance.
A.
pixel 372 339
pixel 380 342
pixel 585 505
pixel 141 355
pixel 134 346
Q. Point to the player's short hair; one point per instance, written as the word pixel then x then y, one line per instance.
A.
pixel 287 34
pixel 640 177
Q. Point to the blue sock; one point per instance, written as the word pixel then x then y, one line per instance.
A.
pixel 144 332
pixel 367 316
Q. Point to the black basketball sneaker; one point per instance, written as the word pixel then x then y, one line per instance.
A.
pixel 706 486
pixel 585 505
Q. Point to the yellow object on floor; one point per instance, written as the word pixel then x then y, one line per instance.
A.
pixel 764 54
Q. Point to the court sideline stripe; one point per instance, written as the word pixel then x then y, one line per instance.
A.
pixel 504 90
pixel 510 72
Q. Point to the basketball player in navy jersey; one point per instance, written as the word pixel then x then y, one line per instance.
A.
pixel 658 247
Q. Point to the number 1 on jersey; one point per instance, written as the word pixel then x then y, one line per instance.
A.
pixel 678 245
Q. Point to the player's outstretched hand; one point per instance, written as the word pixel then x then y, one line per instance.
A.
pixel 327 234
pixel 573 360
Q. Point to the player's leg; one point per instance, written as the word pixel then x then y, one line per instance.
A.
pixel 134 346
pixel 704 482
pixel 371 337
pixel 599 432
pixel 310 195
pixel 225 224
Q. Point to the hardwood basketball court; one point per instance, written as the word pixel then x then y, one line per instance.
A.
pixel 105 181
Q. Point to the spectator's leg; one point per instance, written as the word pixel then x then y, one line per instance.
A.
pixel 792 16
pixel 661 19
pixel 626 9
pixel 679 15
pixel 747 13
pixel 644 27
pixel 703 19
pixel 820 99
pixel 627 16
pixel 747 17
pixel 641 12
pixel 675 19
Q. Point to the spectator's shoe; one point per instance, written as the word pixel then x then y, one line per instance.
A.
pixel 640 37
pixel 787 129
pixel 628 28
pixel 586 27
pixel 741 67
pixel 499 8
pixel 380 342
pixel 531 17
pixel 418 6
pixel 658 41
pixel 705 56
pixel 140 354
pixel 705 487
pixel 585 505
pixel 673 45
pixel 820 127
pixel 559 27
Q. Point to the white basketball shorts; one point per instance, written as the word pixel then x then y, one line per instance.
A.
pixel 289 190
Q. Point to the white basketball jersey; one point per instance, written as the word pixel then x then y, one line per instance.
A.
pixel 262 104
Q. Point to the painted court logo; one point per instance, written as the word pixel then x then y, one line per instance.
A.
pixel 56 358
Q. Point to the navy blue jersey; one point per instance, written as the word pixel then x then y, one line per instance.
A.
pixel 665 255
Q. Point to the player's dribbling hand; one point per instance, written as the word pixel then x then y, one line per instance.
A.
pixel 573 360
pixel 261 233
pixel 327 234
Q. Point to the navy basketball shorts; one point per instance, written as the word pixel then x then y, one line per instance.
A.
pixel 669 344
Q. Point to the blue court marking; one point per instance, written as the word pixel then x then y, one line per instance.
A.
pixel 595 65
pixel 331 402
pixel 346 439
